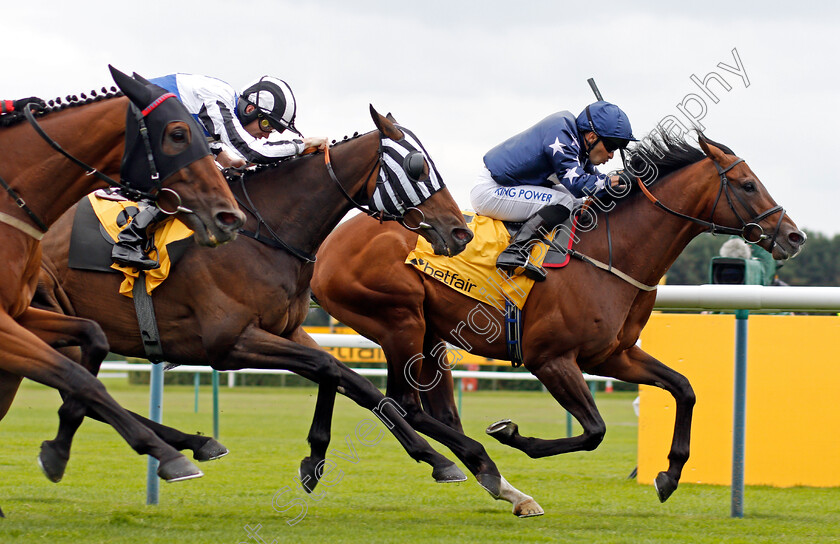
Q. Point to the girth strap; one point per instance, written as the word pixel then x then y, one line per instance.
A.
pixel 513 333
pixel 147 321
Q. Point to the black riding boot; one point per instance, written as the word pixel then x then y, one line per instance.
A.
pixel 130 249
pixel 518 253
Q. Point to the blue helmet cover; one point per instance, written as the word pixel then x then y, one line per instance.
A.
pixel 608 121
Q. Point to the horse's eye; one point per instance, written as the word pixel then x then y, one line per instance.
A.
pixel 749 187
pixel 414 165
pixel 179 136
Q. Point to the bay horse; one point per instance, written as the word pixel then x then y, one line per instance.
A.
pixel 45 178
pixel 242 305
pixel 581 319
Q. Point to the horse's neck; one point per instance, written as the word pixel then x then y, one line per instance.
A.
pixel 647 240
pixel 302 203
pixel 48 182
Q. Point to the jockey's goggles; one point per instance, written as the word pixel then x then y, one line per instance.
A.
pixel 612 144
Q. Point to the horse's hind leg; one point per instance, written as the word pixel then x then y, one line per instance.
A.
pixel 9 384
pixel 66 331
pixel 636 366
pixel 564 380
pixel 27 355
pixel 363 393
pixel 409 376
pixel 61 331
pixel 439 400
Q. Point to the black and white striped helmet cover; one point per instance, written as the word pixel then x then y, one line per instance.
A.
pixel 395 190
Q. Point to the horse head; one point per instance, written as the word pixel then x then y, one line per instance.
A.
pixel 750 208
pixel 167 158
pixel 410 189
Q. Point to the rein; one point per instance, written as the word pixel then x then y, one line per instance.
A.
pixel 725 188
pixel 132 193
pixel 275 241
pixel 381 215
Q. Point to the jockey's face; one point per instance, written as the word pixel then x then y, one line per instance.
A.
pixel 253 128
pixel 598 154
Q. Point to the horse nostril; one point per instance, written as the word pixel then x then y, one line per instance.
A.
pixel 797 238
pixel 462 235
pixel 229 220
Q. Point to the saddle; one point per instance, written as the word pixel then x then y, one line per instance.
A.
pixel 96 225
pixel 473 272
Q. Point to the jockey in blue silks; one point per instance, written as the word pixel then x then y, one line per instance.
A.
pixel 541 175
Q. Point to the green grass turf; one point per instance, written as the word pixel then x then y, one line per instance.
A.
pixel 381 497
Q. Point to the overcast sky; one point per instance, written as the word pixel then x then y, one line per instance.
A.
pixel 466 75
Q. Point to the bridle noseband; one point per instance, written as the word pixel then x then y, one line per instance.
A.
pixel 726 189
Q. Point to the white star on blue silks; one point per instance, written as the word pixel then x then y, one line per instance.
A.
pixel 557 147
pixel 571 174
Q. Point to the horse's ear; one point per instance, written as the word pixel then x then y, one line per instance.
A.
pixel 385 125
pixel 136 91
pixel 391 118
pixel 709 149
pixel 141 79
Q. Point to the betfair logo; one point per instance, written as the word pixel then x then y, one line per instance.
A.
pixel 451 279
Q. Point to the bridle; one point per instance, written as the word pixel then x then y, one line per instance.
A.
pixel 381 215
pixel 726 189
pixel 276 242
pixel 126 189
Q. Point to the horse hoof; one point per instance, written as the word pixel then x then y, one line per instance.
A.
pixel 307 475
pixel 178 469
pixel 212 449
pixel 1 513
pixel 527 509
pixel 52 464
pixel 491 483
pixel 665 486
pixel 448 474
pixel 503 431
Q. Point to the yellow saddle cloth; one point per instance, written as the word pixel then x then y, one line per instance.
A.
pixel 170 230
pixel 473 272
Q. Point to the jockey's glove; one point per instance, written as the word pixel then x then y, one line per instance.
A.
pixel 625 178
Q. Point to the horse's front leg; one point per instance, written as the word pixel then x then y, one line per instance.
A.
pixel 321 428
pixel 60 331
pixel 257 348
pixel 564 380
pixel 636 366
pixel 26 354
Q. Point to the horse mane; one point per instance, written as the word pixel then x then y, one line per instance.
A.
pixel 57 104
pixel 667 153
pixel 658 155
pixel 252 170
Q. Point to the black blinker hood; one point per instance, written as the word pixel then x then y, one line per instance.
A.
pixel 155 108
